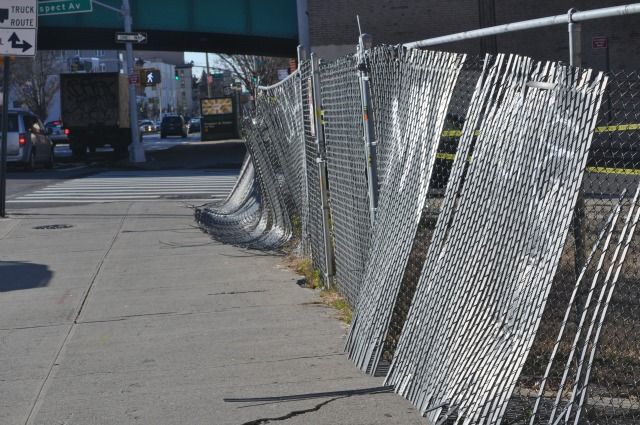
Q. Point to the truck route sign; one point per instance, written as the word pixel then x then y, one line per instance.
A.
pixel 18 27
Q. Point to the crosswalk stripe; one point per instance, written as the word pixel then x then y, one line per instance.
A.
pixel 136 186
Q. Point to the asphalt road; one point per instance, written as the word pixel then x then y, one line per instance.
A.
pixel 162 154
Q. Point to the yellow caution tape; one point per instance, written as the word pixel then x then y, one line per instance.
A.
pixel 619 127
pixel 611 170
pixel 598 170
pixel 601 129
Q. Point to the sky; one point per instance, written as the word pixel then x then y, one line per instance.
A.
pixel 199 60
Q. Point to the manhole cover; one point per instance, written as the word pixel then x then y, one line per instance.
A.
pixel 53 226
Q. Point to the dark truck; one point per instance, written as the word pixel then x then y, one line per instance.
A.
pixel 95 109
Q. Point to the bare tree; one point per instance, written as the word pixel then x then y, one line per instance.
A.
pixel 252 70
pixel 36 81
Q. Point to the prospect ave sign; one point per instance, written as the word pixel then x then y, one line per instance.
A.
pixel 18 27
pixel 63 7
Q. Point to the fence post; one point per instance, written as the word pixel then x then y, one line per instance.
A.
pixel 322 173
pixel 575 59
pixel 579 215
pixel 304 212
pixel 370 144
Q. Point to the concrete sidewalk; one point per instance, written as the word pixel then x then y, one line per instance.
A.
pixel 133 316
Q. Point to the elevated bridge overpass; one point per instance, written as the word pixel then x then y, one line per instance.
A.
pixel 240 26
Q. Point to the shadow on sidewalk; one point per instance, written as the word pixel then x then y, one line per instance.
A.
pixel 16 275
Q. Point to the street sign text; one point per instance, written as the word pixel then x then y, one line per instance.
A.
pixel 63 7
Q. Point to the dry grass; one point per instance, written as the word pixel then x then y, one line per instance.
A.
pixel 329 297
pixel 332 298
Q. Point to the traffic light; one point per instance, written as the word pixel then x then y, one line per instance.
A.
pixel 177 75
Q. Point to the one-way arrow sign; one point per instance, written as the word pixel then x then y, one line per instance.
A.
pixel 14 39
pixel 131 37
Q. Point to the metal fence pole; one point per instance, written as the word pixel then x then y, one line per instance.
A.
pixel 579 216
pixel 575 59
pixel 322 173
pixel 304 236
pixel 370 144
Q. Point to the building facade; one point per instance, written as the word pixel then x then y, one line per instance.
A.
pixel 333 29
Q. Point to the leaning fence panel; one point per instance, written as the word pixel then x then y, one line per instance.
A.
pixel 311 155
pixel 609 394
pixel 417 112
pixel 498 239
pixel 347 177
pixel 501 275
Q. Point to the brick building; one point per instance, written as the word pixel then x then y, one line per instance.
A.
pixel 333 30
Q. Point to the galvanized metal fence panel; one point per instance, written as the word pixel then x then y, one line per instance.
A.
pixel 312 154
pixel 346 163
pixel 611 392
pixel 500 278
pixel 417 114
pixel 498 239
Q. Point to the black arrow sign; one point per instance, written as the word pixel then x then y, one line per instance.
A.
pixel 14 39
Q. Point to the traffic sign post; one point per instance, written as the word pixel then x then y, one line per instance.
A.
pixel 136 150
pixel 18 27
pixel 3 150
pixel 18 35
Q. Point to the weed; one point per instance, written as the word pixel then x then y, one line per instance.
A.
pixel 304 267
pixel 332 298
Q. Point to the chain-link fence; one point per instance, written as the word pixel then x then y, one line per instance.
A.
pixel 498 281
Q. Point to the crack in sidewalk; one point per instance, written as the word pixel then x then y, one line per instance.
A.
pixel 238 292
pixel 262 421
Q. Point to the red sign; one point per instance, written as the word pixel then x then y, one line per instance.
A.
pixel 599 42
pixel 134 78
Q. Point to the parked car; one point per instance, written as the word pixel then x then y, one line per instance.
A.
pixel 194 125
pixel 28 141
pixel 57 133
pixel 173 125
pixel 147 126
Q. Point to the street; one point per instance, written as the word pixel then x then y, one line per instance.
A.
pixel 39 187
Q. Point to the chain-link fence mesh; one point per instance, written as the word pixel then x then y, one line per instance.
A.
pixel 268 204
pixel 346 163
pixel 312 154
pixel 498 239
pixel 494 299
pixel 612 395
pixel 425 82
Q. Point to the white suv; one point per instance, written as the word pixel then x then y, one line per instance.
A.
pixel 27 140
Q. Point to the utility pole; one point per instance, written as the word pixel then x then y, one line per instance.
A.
pixel 136 151
pixel 209 94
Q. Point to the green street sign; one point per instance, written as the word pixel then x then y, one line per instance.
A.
pixel 63 7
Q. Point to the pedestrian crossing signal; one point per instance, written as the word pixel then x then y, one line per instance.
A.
pixel 150 77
